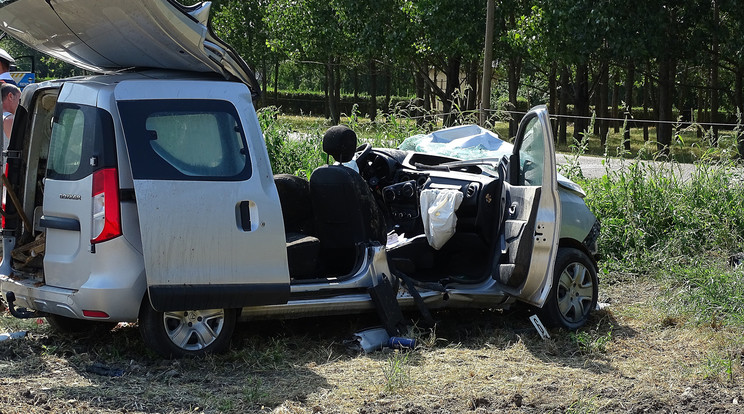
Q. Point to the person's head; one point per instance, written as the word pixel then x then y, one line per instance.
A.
pixel 5 61
pixel 11 96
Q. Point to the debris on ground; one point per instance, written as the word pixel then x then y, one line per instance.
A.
pixel 14 335
pixel 100 369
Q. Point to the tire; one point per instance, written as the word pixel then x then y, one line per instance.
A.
pixel 186 333
pixel 573 295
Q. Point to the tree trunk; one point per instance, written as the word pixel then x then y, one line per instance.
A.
pixel 552 95
pixel 604 92
pixel 388 89
pixel 738 77
pixel 471 92
pixel 563 106
pixel 356 84
pixel 683 90
pixel 276 82
pixel 337 89
pixel 420 104
pixel 581 102
pixel 628 115
pixel 700 113
pixel 264 81
pixel 453 83
pixel 665 117
pixel 515 73
pixel 326 82
pixel 615 104
pixel 738 83
pixel 714 103
pixel 372 90
pixel 428 98
pixel 644 94
pixel 332 85
pixel 487 64
pixel 594 99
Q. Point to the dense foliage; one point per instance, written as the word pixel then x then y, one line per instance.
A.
pixel 580 56
pixel 651 216
pixel 667 59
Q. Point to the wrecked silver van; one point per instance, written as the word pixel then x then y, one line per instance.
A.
pixel 145 194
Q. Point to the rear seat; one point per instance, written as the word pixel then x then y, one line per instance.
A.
pixel 303 248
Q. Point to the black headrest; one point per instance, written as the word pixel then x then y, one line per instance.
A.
pixel 340 142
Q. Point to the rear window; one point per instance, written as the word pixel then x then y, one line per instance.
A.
pixel 82 141
pixel 185 140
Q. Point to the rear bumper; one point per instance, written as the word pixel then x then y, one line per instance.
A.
pixel 122 305
pixel 113 283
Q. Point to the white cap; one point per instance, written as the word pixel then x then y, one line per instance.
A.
pixel 5 55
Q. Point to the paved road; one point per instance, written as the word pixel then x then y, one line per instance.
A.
pixel 594 167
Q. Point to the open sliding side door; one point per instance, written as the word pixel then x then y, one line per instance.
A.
pixel 209 213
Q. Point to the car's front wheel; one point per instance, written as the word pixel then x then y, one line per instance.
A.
pixel 573 295
pixel 186 333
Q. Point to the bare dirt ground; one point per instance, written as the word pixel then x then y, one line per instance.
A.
pixel 632 358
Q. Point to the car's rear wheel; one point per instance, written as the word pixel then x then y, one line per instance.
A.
pixel 573 295
pixel 186 333
pixel 65 325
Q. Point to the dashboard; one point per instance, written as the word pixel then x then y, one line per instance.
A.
pixel 397 179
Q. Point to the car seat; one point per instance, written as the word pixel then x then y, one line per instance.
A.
pixel 346 213
pixel 303 249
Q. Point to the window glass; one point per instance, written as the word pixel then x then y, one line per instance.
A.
pixel 170 139
pixel 66 146
pixel 82 141
pixel 532 154
pixel 197 144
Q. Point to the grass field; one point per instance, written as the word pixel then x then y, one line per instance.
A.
pixel 634 356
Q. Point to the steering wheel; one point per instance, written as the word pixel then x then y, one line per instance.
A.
pixel 361 155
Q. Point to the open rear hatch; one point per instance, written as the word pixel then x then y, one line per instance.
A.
pixel 111 35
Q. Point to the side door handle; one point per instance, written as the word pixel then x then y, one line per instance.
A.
pixel 244 215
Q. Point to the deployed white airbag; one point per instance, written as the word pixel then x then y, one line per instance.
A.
pixel 438 208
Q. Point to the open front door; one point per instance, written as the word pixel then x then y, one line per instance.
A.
pixel 532 214
pixel 209 213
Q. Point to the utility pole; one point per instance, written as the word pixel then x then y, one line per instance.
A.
pixel 487 69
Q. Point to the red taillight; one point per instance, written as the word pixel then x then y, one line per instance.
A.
pixel 95 314
pixel 106 213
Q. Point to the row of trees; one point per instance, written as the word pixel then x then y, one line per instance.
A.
pixel 656 54
pixel 660 57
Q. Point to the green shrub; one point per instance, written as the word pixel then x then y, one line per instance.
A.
pixel 290 152
pixel 650 217
pixel 707 293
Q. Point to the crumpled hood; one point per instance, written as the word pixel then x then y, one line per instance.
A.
pixel 469 142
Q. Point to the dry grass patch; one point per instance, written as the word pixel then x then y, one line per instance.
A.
pixel 632 357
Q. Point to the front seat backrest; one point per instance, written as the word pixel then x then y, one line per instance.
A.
pixel 345 210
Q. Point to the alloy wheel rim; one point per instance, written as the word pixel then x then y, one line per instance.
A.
pixel 194 330
pixel 575 292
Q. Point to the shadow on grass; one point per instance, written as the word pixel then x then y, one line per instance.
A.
pixel 113 370
pixel 270 362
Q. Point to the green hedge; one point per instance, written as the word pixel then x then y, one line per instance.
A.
pixel 295 103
